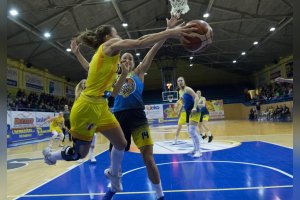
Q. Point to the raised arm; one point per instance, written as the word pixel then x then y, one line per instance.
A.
pixel 75 49
pixel 118 85
pixel 113 46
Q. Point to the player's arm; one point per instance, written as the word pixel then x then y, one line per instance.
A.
pixel 114 46
pixel 118 85
pixel 75 49
pixel 191 92
pixel 147 61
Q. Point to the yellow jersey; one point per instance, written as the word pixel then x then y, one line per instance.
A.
pixel 57 121
pixel 102 74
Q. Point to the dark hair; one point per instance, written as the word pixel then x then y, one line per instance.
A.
pixel 95 38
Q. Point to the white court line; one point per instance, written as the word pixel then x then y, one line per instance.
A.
pixel 165 191
pixel 217 161
pixel 276 144
pixel 69 169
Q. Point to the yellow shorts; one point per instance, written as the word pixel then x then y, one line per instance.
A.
pixel 90 115
pixel 142 136
pixel 55 128
pixel 204 118
pixel 182 118
pixel 195 116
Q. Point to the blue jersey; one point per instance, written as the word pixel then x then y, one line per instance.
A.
pixel 130 95
pixel 188 101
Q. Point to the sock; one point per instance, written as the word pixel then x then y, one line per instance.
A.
pixel 209 133
pixel 195 137
pixel 116 159
pixel 158 189
pixel 56 155
pixel 93 146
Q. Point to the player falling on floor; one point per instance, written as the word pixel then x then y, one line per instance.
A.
pixel 202 125
pixel 190 101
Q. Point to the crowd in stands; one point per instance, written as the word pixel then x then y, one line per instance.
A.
pixel 271 92
pixel 280 113
pixel 36 102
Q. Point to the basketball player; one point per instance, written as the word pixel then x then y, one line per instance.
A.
pixel 66 114
pixel 182 118
pixel 90 112
pixel 56 125
pixel 78 89
pixel 190 102
pixel 203 129
pixel 129 109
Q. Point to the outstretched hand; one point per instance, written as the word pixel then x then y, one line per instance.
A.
pixel 125 67
pixel 74 46
pixel 173 21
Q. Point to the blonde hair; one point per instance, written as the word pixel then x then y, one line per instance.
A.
pixel 79 88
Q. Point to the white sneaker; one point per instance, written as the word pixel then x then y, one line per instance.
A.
pixel 197 154
pixel 80 160
pixel 93 160
pixel 192 152
pixel 175 142
pixel 47 154
pixel 116 182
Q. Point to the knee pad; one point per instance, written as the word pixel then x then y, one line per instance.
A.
pixel 69 154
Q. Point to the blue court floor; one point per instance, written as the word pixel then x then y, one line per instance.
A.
pixel 251 170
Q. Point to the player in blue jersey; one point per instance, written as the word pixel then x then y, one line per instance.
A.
pixel 190 102
pixel 204 116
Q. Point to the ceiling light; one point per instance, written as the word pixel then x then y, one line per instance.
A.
pixel 13 12
pixel 191 58
pixel 145 73
pixel 243 53
pixel 234 61
pixel 191 65
pixel 272 29
pixel 137 54
pixel 68 49
pixel 124 24
pixel 255 43
pixel 47 35
pixel 206 15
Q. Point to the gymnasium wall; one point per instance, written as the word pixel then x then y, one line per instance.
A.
pixel 270 72
pixel 20 76
pixel 239 111
pixel 197 76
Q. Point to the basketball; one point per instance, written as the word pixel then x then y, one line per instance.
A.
pixel 206 36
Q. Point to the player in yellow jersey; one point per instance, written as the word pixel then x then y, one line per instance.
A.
pixel 56 125
pixel 90 112
pixel 182 118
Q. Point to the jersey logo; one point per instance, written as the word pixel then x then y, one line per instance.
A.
pixel 145 134
pixel 128 87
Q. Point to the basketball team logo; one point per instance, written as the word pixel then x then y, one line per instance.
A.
pixel 128 87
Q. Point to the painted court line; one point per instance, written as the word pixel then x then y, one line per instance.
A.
pixel 69 169
pixel 166 191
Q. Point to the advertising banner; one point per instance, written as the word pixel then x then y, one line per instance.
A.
pixel 12 77
pixel 55 88
pixel 20 119
pixel 33 82
pixel 154 111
